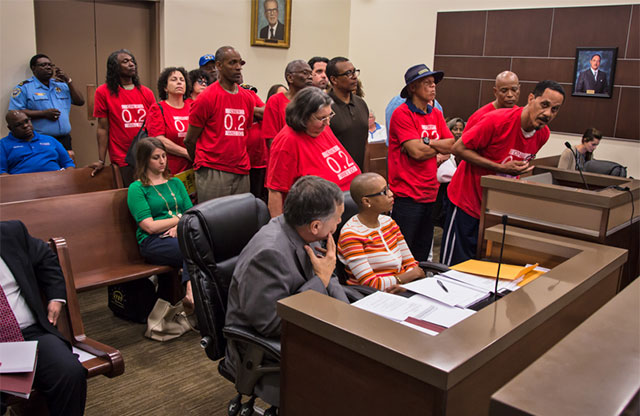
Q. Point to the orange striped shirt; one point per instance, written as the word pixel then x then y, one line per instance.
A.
pixel 374 256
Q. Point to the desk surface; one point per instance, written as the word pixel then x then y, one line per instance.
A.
pixel 594 370
pixel 448 359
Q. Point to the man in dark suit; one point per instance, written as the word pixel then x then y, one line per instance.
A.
pixel 592 80
pixel 274 31
pixel 27 267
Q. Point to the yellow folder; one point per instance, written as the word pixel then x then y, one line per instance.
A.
pixel 490 269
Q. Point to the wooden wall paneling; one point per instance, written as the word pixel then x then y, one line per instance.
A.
pixel 628 124
pixel 518 32
pixel 537 69
pixel 633 45
pixel 579 113
pixel 627 72
pixel 486 92
pixel 604 26
pixel 471 67
pixel 460 33
pixel 459 97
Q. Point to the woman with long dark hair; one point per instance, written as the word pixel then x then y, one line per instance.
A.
pixel 157 201
pixel 590 140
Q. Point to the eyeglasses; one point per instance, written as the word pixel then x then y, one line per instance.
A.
pixel 385 191
pixel 305 72
pixel 352 73
pixel 202 81
pixel 271 11
pixel 325 118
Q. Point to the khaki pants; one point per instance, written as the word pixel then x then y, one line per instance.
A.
pixel 212 183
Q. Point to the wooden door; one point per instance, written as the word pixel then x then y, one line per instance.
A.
pixel 79 35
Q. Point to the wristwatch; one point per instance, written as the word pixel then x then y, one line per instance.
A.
pixel 426 140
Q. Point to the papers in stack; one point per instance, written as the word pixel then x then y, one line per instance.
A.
pixel 17 367
pixel 417 312
pixel 456 293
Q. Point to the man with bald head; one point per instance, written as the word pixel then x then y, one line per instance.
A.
pixel 507 92
pixel 298 76
pixel 218 130
pixel 25 151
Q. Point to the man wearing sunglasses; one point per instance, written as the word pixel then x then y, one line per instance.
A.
pixel 351 122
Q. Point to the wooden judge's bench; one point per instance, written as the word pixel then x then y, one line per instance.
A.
pixel 555 201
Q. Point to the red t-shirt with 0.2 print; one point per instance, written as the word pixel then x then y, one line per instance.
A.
pixel 225 119
pixel 295 154
pixel 125 113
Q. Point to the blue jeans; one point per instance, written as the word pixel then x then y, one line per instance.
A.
pixel 164 252
pixel 414 220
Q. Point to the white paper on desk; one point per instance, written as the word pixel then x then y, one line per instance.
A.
pixel 456 295
pixel 394 307
pixel 83 355
pixel 18 357
pixel 443 315
pixel 486 284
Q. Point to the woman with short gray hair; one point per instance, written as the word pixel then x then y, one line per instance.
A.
pixel 306 147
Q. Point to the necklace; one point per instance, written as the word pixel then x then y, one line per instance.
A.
pixel 177 214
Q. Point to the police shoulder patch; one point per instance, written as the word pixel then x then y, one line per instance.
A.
pixel 16 91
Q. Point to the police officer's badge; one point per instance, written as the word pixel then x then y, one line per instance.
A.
pixel 58 89
pixel 16 91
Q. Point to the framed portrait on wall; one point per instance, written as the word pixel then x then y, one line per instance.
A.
pixel 594 72
pixel 271 23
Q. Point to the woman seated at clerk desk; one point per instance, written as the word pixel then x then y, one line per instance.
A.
pixel 169 118
pixel 307 146
pixel 157 202
pixel 371 245
pixel 590 140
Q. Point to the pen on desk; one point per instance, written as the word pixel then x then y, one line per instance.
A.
pixel 442 286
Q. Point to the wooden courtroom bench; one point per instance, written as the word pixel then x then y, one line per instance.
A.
pixel 107 360
pixel 100 237
pixel 26 186
pixel 375 158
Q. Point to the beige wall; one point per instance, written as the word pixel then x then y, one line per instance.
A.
pixel 17 46
pixel 193 28
pixel 388 36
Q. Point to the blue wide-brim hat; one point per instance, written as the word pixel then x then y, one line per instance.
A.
pixel 419 71
pixel 206 58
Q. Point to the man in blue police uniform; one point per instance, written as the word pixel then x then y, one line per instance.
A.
pixel 24 151
pixel 46 98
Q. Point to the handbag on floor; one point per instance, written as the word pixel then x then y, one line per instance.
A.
pixel 133 300
pixel 167 321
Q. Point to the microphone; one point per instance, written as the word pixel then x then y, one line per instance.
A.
pixel 505 218
pixel 575 154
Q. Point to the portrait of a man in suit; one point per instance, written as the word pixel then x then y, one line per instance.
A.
pixel 274 30
pixel 593 80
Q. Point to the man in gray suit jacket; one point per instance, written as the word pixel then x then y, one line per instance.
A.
pixel 284 258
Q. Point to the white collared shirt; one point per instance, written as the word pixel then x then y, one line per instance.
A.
pixel 18 304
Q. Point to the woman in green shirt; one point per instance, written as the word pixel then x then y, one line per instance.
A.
pixel 157 202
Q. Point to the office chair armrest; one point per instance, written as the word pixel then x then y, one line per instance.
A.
pixel 248 335
pixel 434 267
pixel 356 292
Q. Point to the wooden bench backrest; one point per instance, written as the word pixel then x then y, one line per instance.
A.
pixel 97 226
pixel 28 186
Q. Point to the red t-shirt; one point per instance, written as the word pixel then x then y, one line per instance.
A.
pixel 479 113
pixel 125 113
pixel 225 119
pixel 498 137
pixel 295 154
pixel 173 126
pixel 256 146
pixel 274 115
pixel 410 178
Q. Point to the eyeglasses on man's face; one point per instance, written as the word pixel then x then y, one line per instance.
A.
pixel 352 73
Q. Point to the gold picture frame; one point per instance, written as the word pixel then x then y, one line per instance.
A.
pixel 263 33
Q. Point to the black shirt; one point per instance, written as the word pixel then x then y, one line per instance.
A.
pixel 351 125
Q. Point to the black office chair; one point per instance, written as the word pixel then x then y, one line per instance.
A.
pixel 211 236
